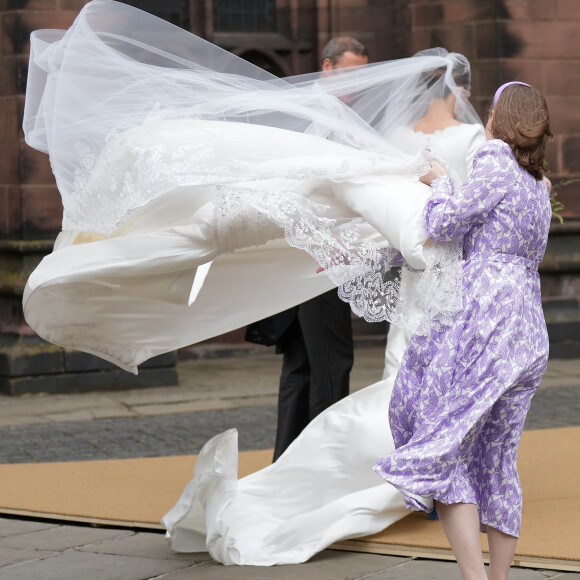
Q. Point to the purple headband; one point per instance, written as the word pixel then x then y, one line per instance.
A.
pixel 505 86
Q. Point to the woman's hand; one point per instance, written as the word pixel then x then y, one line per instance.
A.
pixel 435 172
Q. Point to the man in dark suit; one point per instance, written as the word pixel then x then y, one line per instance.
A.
pixel 315 337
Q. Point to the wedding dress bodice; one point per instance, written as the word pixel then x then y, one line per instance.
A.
pixel 454 147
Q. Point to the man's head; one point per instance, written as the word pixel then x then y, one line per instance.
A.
pixel 342 52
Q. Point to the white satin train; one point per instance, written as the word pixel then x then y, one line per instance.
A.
pixel 224 245
pixel 321 490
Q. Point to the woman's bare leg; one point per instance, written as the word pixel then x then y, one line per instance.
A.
pixel 501 553
pixel 461 526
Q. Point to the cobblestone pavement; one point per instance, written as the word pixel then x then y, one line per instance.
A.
pixel 185 433
pixel 212 396
pixel 178 434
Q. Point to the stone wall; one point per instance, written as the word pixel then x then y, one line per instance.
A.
pixel 537 41
pixel 383 26
pixel 29 201
pixel 30 219
pixel 30 206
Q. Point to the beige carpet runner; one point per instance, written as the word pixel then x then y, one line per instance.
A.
pixel 138 492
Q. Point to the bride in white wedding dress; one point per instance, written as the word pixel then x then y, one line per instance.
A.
pixel 453 144
pixel 200 194
pixel 326 471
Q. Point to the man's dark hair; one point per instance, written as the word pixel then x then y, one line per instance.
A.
pixel 336 47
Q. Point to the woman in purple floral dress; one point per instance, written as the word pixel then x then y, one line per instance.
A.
pixel 462 394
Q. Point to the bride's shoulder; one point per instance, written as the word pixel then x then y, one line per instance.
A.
pixel 451 130
pixel 465 135
pixel 474 128
pixel 468 128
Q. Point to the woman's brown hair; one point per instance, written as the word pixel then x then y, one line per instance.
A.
pixel 521 119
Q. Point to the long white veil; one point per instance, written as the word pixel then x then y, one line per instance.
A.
pixel 101 93
pixel 117 66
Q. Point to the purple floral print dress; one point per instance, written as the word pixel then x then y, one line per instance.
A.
pixel 461 396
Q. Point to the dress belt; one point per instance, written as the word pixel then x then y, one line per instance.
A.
pixel 505 258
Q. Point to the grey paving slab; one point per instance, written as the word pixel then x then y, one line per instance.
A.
pixel 90 414
pixel 441 570
pixel 560 381
pixel 563 367
pixel 10 556
pixel 184 407
pixel 75 565
pixel 532 574
pixel 59 538
pixel 12 420
pixel 265 401
pixel 13 527
pixel 210 380
pixel 261 374
pixel 147 545
pixel 43 404
pixel 421 570
pixel 328 565
pixel 203 379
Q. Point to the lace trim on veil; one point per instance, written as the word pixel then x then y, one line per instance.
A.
pixel 131 169
pixel 371 276
pixel 252 206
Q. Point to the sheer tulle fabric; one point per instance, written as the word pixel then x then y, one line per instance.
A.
pixel 171 153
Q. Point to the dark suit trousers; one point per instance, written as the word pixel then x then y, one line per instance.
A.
pixel 318 358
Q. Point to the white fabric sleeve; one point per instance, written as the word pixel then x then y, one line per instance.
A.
pixel 477 139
